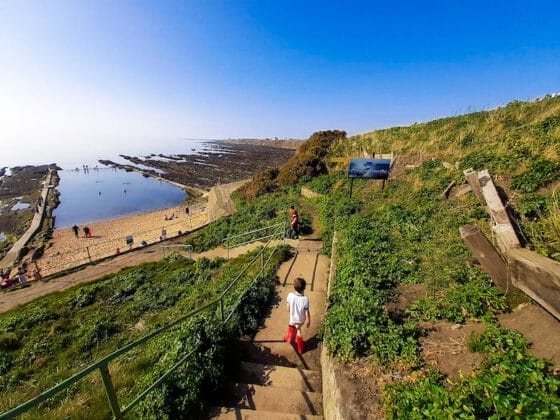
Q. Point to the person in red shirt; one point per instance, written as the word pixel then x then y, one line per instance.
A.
pixel 293 232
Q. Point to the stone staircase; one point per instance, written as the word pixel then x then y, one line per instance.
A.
pixel 274 381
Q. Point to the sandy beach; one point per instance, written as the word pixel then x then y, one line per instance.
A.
pixel 109 237
pixel 113 237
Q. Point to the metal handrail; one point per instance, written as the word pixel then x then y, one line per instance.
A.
pixel 103 364
pixel 253 231
pixel 189 248
pixel 227 240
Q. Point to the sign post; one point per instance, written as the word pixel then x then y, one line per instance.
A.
pixel 368 169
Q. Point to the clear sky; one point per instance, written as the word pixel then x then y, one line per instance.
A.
pixel 87 75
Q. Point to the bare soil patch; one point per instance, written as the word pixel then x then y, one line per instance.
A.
pixel 537 326
pixel 406 294
pixel 444 347
pixel 359 384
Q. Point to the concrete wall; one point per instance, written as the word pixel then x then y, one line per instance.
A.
pixel 338 397
pixel 306 192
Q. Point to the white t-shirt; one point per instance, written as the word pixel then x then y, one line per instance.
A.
pixel 298 305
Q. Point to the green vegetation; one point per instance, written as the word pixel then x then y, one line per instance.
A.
pixel 408 234
pixel 258 213
pixel 509 384
pixel 50 339
pixel 308 162
pixel 388 241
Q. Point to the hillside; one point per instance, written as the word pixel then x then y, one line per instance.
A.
pixel 518 143
pixel 414 325
pixel 423 315
pixel 421 328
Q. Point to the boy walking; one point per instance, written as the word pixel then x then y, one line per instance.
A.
pixel 298 307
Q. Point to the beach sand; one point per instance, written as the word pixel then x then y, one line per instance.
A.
pixel 109 237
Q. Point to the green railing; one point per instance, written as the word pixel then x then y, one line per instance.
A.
pixel 186 247
pixel 103 364
pixel 267 232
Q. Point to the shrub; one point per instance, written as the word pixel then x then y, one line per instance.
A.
pixel 540 173
pixel 510 384
pixel 9 341
pixel 308 162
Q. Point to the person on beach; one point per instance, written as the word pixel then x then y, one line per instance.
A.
pixel 5 280
pixel 293 231
pixel 87 232
pixel 22 276
pixel 298 307
pixel 75 229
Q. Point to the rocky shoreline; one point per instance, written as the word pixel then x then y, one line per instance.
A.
pixel 222 162
pixel 23 185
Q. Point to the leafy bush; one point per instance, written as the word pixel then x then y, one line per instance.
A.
pixel 308 162
pixel 477 299
pixel 259 213
pixel 540 173
pixel 533 206
pixel 496 339
pixel 9 341
pixel 356 323
pixel 262 183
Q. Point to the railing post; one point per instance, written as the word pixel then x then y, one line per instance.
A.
pixel 88 254
pixel 262 262
pixel 110 391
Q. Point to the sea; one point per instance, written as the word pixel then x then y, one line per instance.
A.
pixel 90 191
pixel 105 193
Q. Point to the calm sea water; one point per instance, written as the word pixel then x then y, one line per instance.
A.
pixel 108 193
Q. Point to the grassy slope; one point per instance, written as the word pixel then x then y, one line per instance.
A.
pixel 408 234
pixel 518 143
pixel 53 337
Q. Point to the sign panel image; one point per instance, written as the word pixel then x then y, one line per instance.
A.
pixel 369 168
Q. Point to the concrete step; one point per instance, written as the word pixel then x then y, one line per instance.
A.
pixel 312 266
pixel 245 414
pixel 279 353
pixel 276 324
pixel 279 377
pixel 268 398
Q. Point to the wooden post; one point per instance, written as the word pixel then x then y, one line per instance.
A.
pixel 506 237
pixel 493 201
pixel 446 192
pixel 537 276
pixel 489 259
pixel 472 179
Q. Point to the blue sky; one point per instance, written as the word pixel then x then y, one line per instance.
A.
pixel 95 75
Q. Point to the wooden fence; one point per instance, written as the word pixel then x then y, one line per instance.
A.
pixel 511 267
